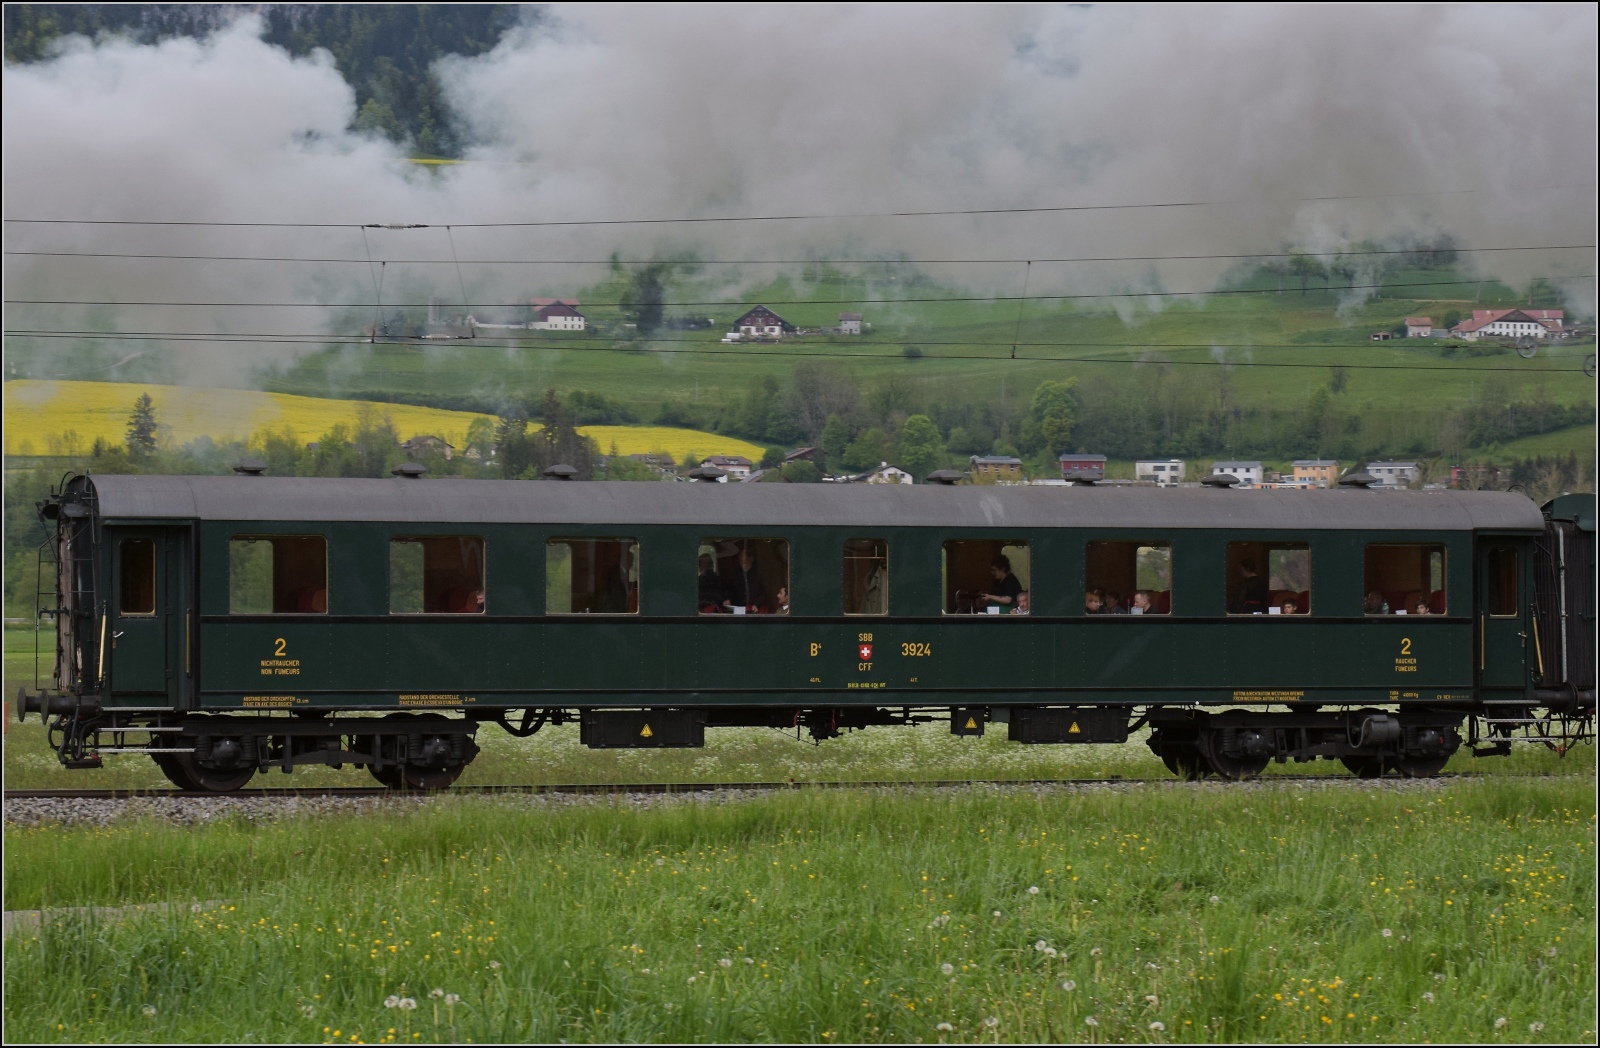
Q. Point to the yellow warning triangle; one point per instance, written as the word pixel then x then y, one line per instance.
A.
pixel 647 732
pixel 972 722
pixel 1074 730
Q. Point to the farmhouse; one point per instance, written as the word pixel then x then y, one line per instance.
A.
pixel 884 474
pixel 762 322
pixel 736 466
pixel 1319 472
pixel 1250 474
pixel 1419 327
pixel 557 315
pixel 1512 323
pixel 1394 474
pixel 849 323
pixel 996 467
pixel 425 444
pixel 1163 473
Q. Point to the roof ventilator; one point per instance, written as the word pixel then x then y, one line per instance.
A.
pixel 1220 480
pixel 250 468
pixel 1362 480
pixel 945 476
pixel 707 474
pixel 411 470
pixel 561 471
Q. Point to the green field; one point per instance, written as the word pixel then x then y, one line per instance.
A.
pixel 1454 913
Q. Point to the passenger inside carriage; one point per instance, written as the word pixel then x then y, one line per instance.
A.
pixel 748 571
pixel 985 576
pixel 710 587
pixel 1127 577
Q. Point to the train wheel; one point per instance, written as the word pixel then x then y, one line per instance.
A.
pixel 1229 767
pixel 421 777
pixel 1420 767
pixel 1187 766
pixel 212 780
pixel 174 771
pixel 1364 767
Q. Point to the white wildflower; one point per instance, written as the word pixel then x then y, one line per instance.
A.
pixel 661 862
pixel 149 1011
pixel 1153 966
pixel 1051 951
pixel 1428 997
pixel 749 960
pixel 944 1027
pixel 1153 1000
pixel 1158 1026
pixel 997 913
pixel 494 964
pixel 408 1004
pixel 1535 1027
pixel 1500 1023
pixel 992 1021
pixel 1095 952
pixel 452 999
pixel 948 969
pixel 1551 952
pixel 725 963
pixel 308 1010
pixel 1438 976
pixel 1033 889
pixel 1215 899
pixel 436 993
pixel 1386 933
pixel 692 978
pixel 1040 945
pixel 1069 985
pixel 644 971
pixel 1091 1021
pixel 391 1001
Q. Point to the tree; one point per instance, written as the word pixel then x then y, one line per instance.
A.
pixel 1054 411
pixel 644 300
pixel 141 440
pixel 801 472
pixel 835 440
pixel 921 449
pixel 870 447
pixel 512 449
pixel 560 443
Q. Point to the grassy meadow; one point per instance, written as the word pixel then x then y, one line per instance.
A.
pixel 1459 912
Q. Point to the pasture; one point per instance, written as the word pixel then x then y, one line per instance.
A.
pixel 1450 912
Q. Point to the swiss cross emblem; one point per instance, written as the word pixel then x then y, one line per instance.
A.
pixel 866 653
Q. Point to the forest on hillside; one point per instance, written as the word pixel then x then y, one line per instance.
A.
pixel 385 52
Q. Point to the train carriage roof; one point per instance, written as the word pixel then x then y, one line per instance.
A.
pixel 455 502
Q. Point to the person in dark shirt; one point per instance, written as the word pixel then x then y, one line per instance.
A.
pixel 711 594
pixel 1114 605
pixel 1006 588
pixel 745 589
pixel 1251 596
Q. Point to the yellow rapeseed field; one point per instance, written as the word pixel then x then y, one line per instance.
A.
pixel 65 418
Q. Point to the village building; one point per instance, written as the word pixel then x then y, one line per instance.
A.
pixel 736 466
pixel 557 315
pixel 1164 473
pixel 1390 474
pixel 1419 327
pixel 1475 477
pixel 1082 467
pixel 427 444
pixel 761 322
pixel 884 474
pixel 1250 474
pixel 995 467
pixel 1512 323
pixel 802 455
pixel 1321 473
pixel 1381 336
pixel 849 323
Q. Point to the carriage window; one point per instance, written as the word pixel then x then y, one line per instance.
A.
pixel 1127 578
pixel 138 577
pixel 591 576
pixel 278 575
pixel 866 577
pixel 743 577
pixel 1269 578
pixel 987 576
pixel 436 575
pixel 1501 598
pixel 1405 580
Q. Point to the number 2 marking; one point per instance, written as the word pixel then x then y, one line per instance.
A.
pixel 1405 645
pixel 282 644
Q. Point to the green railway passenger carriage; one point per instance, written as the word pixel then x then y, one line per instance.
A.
pixel 225 626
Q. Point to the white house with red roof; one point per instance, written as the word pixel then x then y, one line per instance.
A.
pixel 761 322
pixel 555 314
pixel 1511 323
pixel 1419 327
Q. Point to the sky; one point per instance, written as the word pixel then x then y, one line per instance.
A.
pixel 1256 128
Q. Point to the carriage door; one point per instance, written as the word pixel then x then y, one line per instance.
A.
pixel 148 601
pixel 1502 630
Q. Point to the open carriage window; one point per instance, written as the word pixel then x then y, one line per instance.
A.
pixel 591 577
pixel 1127 578
pixel 866 577
pixel 138 577
pixel 743 576
pixel 987 576
pixel 1269 578
pixel 436 575
pixel 278 575
pixel 1405 580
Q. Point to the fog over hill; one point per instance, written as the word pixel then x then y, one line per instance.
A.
pixel 1306 127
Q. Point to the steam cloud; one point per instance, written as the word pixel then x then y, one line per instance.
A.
pixel 1473 121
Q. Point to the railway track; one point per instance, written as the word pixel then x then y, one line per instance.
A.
pixel 581 789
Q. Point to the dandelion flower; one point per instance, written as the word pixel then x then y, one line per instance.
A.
pixel 1091 1021
pixel 436 993
pixel 1551 952
pixel 1535 1027
pixel 308 1010
pixel 1438 976
pixel 644 971
pixel 992 1021
pixel 1386 933
pixel 944 1027
pixel 1040 945
pixel 661 862
pixel 408 1004
pixel 1158 1026
pixel 1215 899
pixel 391 1001
pixel 948 969
pixel 749 960
pixel 1033 889
pixel 997 913
pixel 149 1011
pixel 494 964
pixel 1069 985
pixel 452 999
pixel 692 978
pixel 1153 966
pixel 1500 1023
pixel 1428 997
pixel 1095 952
pixel 1154 1001
pixel 1050 951
pixel 725 963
